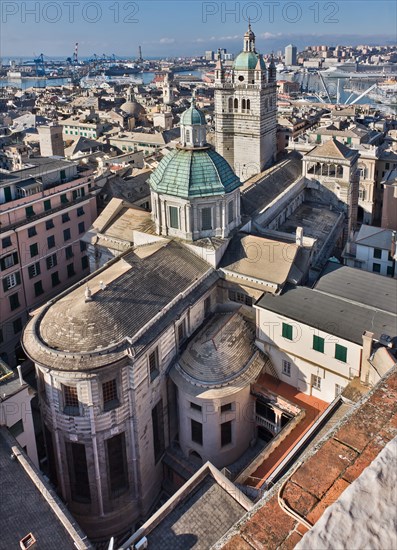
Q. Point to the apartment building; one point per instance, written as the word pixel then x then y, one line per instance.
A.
pixel 49 208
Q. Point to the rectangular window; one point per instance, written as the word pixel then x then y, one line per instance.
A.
pixel 11 281
pixel 230 207
pixel 34 270
pixel 84 263
pixel 51 261
pixel 154 364
pixel 55 278
pixel 117 465
pixel 318 343
pixel 32 231
pixel 66 234
pixel 376 268
pixel 47 204
pixel 341 353
pixel 226 433
pixel 207 306
pixel 34 250
pixel 49 224
pixel 316 382
pixel 109 394
pixel 81 227
pixel 181 332
pixel 389 271
pixel 14 301
pixel 65 217
pixel 158 431
pixel 6 242
pixel 64 198
pixel 226 407
pixel 196 407
pixel 174 217
pixel 80 211
pixel 286 368
pixel 69 252
pixel 29 211
pixel 17 428
pixel 206 219
pixel 17 325
pixel 240 297
pixel 38 288
pixel 78 472
pixel 338 390
pixel 197 431
pixel 70 401
pixel 50 242
pixel 378 253
pixel 287 331
pixel 70 270
pixel 83 246
pixel 9 261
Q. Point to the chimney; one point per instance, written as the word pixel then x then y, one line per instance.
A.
pixel 365 355
pixel 299 236
pixel 19 369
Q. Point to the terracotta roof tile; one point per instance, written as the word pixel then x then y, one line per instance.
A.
pixel 299 500
pixel 331 460
pixel 334 492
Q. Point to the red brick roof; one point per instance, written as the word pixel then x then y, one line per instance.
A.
pixel 324 475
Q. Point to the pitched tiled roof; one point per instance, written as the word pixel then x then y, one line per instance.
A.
pixel 333 149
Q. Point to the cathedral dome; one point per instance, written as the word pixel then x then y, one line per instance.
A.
pixel 193 172
pixel 246 61
pixel 133 108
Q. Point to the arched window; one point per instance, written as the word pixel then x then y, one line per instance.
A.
pixel 236 103
pixel 243 104
pixel 248 104
pixel 230 104
pixel 187 135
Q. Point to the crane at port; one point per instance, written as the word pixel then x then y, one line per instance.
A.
pixel 39 65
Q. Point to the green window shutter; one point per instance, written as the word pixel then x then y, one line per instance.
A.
pixel 340 353
pixel 18 277
pixel 47 204
pixel 29 211
pixel 287 331
pixel 318 343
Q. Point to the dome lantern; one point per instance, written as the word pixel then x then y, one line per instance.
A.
pixel 193 127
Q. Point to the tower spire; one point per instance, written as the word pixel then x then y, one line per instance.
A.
pixel 249 39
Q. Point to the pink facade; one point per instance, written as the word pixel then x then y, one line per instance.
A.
pixel 41 253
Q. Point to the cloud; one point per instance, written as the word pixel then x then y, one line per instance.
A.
pixel 270 35
pixel 167 41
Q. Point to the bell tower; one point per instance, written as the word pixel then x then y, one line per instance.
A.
pixel 246 111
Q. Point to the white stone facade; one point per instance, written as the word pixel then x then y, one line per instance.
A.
pixel 298 363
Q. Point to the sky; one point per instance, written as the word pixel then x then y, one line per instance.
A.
pixel 187 27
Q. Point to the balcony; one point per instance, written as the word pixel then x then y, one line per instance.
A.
pixel 265 423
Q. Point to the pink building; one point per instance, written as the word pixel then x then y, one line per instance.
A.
pixel 44 211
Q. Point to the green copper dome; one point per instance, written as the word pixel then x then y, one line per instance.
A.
pixel 193 116
pixel 245 61
pixel 188 173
